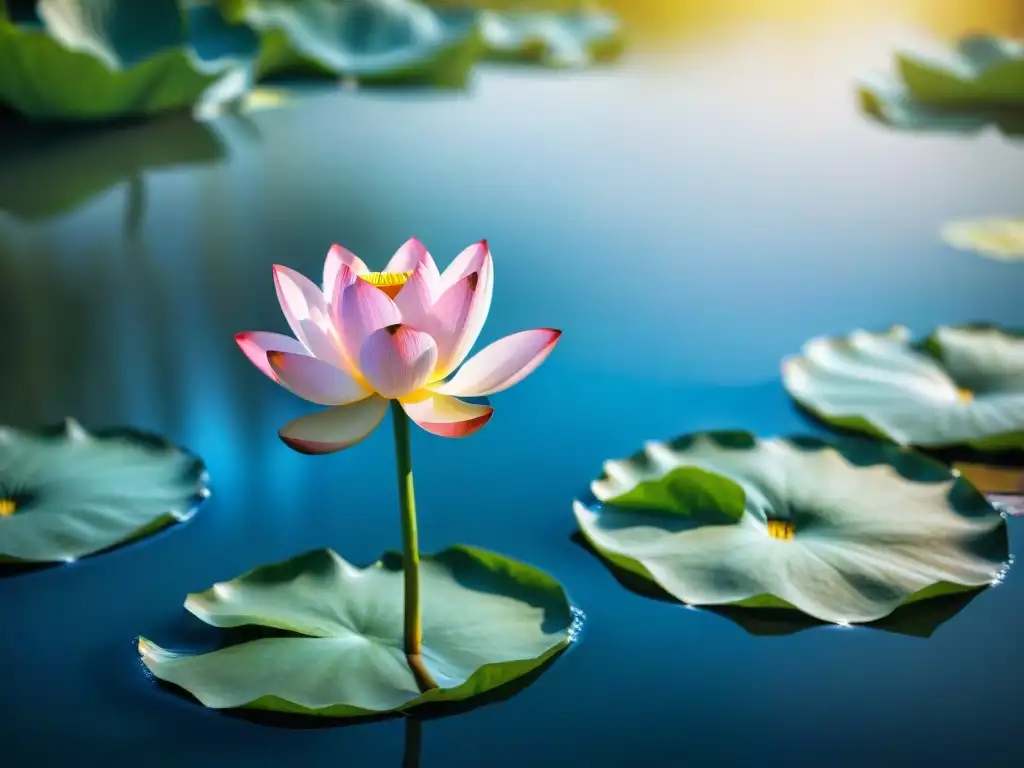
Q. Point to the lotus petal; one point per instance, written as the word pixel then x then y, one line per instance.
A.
pixel 502 364
pixel 334 429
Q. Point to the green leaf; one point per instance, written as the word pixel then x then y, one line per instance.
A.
pixel 66 493
pixel 107 59
pixel 845 532
pixel 44 174
pixel 690 492
pixel 980 82
pixel 965 387
pixel 375 41
pixel 556 39
pixel 487 620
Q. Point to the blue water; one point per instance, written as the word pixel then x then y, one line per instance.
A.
pixel 687 220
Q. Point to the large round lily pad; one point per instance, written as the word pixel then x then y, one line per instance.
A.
pixel 487 620
pixel 962 386
pixel 66 492
pixel 845 532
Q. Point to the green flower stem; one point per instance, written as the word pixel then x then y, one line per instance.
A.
pixel 413 635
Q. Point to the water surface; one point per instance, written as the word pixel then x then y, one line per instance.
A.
pixel 687 218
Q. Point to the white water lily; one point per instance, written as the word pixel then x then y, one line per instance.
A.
pixel 842 540
pixel 366 338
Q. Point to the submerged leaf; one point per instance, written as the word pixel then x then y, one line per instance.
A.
pixel 845 532
pixel 487 620
pixel 66 493
pixel 980 82
pixel 375 41
pixel 565 39
pixel 964 386
pixel 1000 238
pixel 107 59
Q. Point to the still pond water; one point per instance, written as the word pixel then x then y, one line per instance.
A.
pixel 687 218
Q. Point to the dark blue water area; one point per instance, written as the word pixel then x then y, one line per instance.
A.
pixel 686 221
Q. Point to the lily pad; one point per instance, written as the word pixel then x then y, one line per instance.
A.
pixel 999 238
pixel 846 532
pixel 107 59
pixel 487 620
pixel 981 81
pixel 920 618
pixel 374 41
pixel 555 39
pixel 962 386
pixel 66 492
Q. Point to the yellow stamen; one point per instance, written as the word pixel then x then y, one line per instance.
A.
pixel 964 395
pixel 389 282
pixel 783 530
pixel 8 507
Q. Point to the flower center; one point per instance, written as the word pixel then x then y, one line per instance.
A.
pixel 389 282
pixel 964 395
pixel 783 530
pixel 8 507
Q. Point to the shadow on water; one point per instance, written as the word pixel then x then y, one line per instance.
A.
pixel 919 619
pixel 46 171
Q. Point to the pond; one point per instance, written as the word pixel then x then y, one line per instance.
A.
pixel 687 217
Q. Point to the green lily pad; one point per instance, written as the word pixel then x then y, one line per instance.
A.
pixel 980 82
pixel 554 39
pixel 846 532
pixel 108 59
pixel 487 620
pixel 45 174
pixel 963 386
pixel 66 492
pixel 373 41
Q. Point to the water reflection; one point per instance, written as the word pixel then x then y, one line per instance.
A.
pixel 46 172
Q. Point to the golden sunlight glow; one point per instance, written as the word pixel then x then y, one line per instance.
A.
pixel 8 507
pixel 389 282
pixel 783 530
pixel 664 20
pixel 964 395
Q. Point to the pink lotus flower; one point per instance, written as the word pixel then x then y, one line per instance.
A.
pixel 371 337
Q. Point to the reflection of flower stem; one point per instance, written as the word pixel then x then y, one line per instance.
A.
pixel 410 550
pixel 413 742
pixel 135 207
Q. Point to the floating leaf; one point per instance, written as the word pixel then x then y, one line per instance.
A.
pixel 980 82
pixel 67 492
pixel 105 59
pixel 964 386
pixel 487 620
pixel 998 238
pixel 44 174
pixel 375 41
pixel 566 39
pixel 845 532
